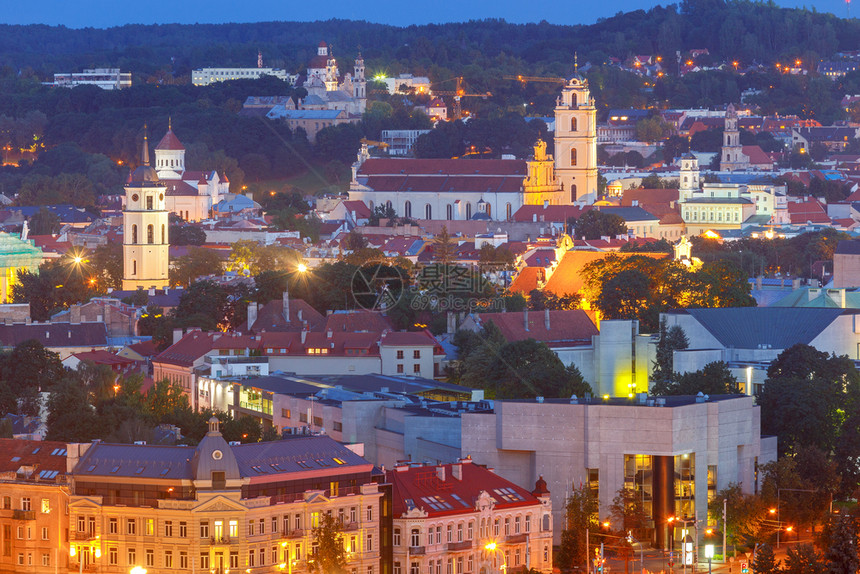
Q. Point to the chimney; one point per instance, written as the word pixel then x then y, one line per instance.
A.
pixel 526 319
pixel 177 335
pixel 545 203
pixel 252 314
pixel 304 335
pixel 328 334
pixel 452 323
pixel 286 302
pixel 75 314
pixel 440 473
pixel 457 471
pixel 795 284
pixel 546 318
pixel 759 280
pixel 151 292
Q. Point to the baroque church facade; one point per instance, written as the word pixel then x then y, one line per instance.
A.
pixel 490 189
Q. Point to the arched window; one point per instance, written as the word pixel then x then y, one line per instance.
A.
pixel 163 234
pixel 150 233
pixel 134 266
pixel 573 124
pixel 370 205
pixel 407 209
pixel 428 212
pixel 449 212
pixel 468 211
pixel 573 192
pixel 134 233
pixel 573 156
pixel 508 211
pixel 545 526
pixel 388 204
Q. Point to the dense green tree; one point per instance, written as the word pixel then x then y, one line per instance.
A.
pixel 71 417
pixel 805 396
pixel 186 235
pixel 671 340
pixel 745 515
pixel 628 511
pixel 107 264
pixel 594 224
pixel 198 262
pixel 624 295
pixel 803 559
pixel 328 539
pixel 44 222
pixel 842 556
pixel 580 512
pixel 764 561
pixel 58 285
pixel 164 398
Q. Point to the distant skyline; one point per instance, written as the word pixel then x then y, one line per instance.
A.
pixel 108 13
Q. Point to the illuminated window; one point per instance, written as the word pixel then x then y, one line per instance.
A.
pixel 573 156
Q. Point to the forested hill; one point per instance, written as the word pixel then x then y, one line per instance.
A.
pixel 749 31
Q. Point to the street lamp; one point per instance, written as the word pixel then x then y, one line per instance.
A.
pixel 302 268
pixel 709 554
pixel 631 540
pixel 137 570
pixel 493 547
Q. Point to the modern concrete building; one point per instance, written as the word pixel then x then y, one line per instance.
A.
pixel 104 78
pixel 674 452
pixel 207 76
pixel 846 264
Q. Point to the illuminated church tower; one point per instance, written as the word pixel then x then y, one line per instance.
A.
pixel 576 141
pixel 144 218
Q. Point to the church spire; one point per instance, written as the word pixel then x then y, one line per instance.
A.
pixel 575 64
pixel 169 123
pixel 144 156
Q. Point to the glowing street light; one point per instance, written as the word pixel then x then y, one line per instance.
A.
pixel 137 570
pixel 302 268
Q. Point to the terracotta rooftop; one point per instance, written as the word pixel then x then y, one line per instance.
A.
pixel 571 327
pixel 170 142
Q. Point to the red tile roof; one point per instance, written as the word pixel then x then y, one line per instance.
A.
pixel 757 155
pixel 810 211
pixel 104 358
pixel 450 494
pixel 145 348
pixel 648 196
pixel 187 350
pixel 571 327
pixel 408 339
pixel 357 321
pixel 45 456
pixel 170 142
pixel 270 317
pixel 180 188
pixel 359 207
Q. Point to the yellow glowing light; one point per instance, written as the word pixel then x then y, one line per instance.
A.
pixel 301 268
pixel 605 397
pixel 72 551
pixel 709 234
pixel 490 546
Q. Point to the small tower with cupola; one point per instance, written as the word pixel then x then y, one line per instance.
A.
pixel 688 183
pixel 331 72
pixel 145 244
pixel 359 82
pixel 170 155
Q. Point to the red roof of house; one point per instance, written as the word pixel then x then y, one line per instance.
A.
pixel 44 455
pixel 571 327
pixel 757 155
pixel 188 349
pixel 357 321
pixel 648 197
pixel 408 339
pixel 527 279
pixel 270 317
pixel 103 358
pixel 170 142
pixel 177 188
pixel 359 207
pixel 145 348
pixel 334 343
pixel 416 486
pixel 810 211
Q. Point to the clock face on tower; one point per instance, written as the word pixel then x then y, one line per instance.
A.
pixel 134 197
pixel 161 197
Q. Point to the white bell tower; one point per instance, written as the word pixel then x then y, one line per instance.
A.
pixel 145 244
pixel 689 177
pixel 576 141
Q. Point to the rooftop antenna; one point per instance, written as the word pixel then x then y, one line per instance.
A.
pixel 145 152
pixel 575 64
pixel 169 123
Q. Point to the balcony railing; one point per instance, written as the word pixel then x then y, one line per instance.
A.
pixel 464 545
pixel 417 550
pixel 237 359
pixel 223 540
pixel 516 538
pixel 24 514
pixel 85 535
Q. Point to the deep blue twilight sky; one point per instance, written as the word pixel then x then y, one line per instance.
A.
pixel 106 13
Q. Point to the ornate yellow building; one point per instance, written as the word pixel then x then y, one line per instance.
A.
pixel 145 243
pixel 576 141
pixel 220 507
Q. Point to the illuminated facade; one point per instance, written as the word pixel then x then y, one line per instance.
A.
pixel 732 155
pixel 16 254
pixel 222 507
pixel 456 189
pixel 144 217
pixel 576 141
pixel 468 520
pixel 34 498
